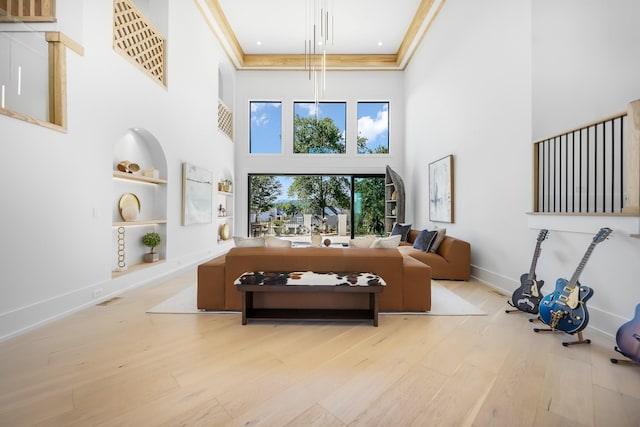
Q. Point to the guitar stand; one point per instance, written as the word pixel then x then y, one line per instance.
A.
pixel 622 361
pixel 511 311
pixel 518 310
pixel 580 339
pixel 531 319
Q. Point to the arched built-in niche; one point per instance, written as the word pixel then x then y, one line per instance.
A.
pixel 140 177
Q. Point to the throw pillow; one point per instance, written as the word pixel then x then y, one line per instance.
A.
pixel 274 242
pixel 361 242
pixel 439 238
pixel 402 230
pixel 248 242
pixel 425 240
pixel 386 242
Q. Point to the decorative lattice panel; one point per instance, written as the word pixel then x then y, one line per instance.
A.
pixel 27 10
pixel 225 120
pixel 135 38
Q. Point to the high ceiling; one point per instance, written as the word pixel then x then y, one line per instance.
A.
pixel 367 34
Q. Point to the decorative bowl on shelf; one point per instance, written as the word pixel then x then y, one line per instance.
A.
pixel 224 232
pixel 127 167
pixel 129 206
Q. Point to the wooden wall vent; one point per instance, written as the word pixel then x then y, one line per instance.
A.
pixel 225 119
pixel 136 39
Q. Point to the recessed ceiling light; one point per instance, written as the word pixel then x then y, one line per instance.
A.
pixel 379 43
pixel 259 43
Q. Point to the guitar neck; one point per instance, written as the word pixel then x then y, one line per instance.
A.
pixel 578 272
pixel 534 261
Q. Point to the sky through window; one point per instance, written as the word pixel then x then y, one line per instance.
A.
pixel 266 127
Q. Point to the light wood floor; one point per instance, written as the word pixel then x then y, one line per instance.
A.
pixel 116 365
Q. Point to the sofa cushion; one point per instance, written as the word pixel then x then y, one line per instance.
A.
pixel 424 240
pixel 274 242
pixel 439 238
pixel 386 242
pixel 402 230
pixel 362 242
pixel 248 242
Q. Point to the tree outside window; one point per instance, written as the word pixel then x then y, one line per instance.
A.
pixel 319 129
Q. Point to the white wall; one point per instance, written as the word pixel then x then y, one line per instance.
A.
pixel 469 94
pixel 57 187
pixel 481 87
pixel 586 63
pixel 291 86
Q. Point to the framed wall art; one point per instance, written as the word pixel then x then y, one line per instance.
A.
pixel 441 190
pixel 197 195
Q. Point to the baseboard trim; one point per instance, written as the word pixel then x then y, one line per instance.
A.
pixel 33 316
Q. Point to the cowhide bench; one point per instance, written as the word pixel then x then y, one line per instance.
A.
pixel 250 283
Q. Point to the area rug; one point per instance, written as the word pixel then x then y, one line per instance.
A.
pixel 443 303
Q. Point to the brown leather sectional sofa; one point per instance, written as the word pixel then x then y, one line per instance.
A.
pixel 452 260
pixel 408 280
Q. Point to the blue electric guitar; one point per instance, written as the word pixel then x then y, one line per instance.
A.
pixel 565 308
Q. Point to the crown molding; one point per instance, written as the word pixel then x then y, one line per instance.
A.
pixel 217 21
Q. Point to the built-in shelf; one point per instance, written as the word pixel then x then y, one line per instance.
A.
pixel 139 146
pixel 140 178
pixel 394 199
pixel 135 267
pixel 141 222
pixel 225 229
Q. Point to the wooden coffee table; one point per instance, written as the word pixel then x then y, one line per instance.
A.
pixel 309 282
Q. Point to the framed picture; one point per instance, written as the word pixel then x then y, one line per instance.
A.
pixel 441 190
pixel 197 195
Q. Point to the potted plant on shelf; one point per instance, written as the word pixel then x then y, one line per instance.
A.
pixel 278 226
pixel 225 185
pixel 151 240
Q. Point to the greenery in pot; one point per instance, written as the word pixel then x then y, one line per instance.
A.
pixel 151 240
pixel 278 226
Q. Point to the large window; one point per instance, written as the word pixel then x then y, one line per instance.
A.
pixel 319 128
pixel 373 127
pixel 266 127
pixel 291 206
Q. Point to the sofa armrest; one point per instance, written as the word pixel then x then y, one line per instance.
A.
pixel 457 253
pixel 417 285
pixel 211 284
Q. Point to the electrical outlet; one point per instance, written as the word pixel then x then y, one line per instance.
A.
pixel 97 293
